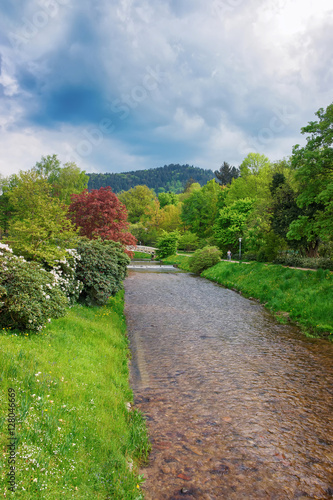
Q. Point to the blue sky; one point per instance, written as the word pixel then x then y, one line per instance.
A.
pixel 133 84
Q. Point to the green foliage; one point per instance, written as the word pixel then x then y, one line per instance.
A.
pixel 284 208
pixel 143 234
pixel 226 173
pixel 69 380
pixel 6 212
pixel 203 259
pixel 306 296
pixel 231 223
pixel 267 248
pixel 169 198
pixel 64 272
pixel 188 241
pixel 200 208
pixel 313 166
pixel 142 255
pixel 64 180
pixel 256 176
pixel 39 229
pixel 102 268
pixel 137 200
pixel 167 244
pixel 181 261
pixel 29 295
pixel 305 262
pixel 168 178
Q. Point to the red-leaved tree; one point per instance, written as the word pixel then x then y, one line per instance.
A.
pixel 100 214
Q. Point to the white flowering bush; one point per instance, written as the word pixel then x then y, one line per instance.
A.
pixel 64 273
pixel 29 295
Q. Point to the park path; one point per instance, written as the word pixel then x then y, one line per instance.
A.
pixel 237 405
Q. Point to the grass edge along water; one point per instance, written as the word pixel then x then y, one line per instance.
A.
pixel 78 435
pixel 300 296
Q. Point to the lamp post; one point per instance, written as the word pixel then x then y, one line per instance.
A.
pixel 240 249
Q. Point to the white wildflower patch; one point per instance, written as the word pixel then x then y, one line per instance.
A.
pixel 35 458
pixel 3 246
pixel 63 273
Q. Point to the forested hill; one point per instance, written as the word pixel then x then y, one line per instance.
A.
pixel 167 178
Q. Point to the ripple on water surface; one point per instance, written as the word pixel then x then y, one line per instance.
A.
pixel 238 406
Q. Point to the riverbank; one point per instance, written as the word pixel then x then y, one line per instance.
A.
pixel 300 296
pixel 78 435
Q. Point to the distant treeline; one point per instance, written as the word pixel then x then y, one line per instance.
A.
pixel 168 178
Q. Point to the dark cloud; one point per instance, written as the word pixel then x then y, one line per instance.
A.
pixel 180 80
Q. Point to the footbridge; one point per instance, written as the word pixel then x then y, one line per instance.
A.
pixel 141 248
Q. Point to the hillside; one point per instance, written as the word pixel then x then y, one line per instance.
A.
pixel 167 178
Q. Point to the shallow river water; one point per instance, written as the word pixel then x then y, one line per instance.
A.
pixel 237 405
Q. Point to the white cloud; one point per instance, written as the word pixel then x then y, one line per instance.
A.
pixel 227 66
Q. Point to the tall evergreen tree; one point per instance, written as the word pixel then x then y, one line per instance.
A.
pixel 226 173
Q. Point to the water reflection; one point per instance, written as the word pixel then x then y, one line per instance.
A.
pixel 237 405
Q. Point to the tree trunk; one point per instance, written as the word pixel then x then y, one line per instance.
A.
pixel 312 250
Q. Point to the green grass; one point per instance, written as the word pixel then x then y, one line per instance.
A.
pixel 142 255
pixel 305 296
pixel 180 260
pixel 77 435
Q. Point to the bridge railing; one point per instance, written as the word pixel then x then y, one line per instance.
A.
pixel 141 248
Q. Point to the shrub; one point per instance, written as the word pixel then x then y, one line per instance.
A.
pixel 64 272
pixel 305 262
pixel 203 259
pixel 188 241
pixel 167 244
pixel 250 256
pixel 29 295
pixel 102 268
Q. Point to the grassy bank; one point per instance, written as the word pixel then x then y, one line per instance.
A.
pixel 77 435
pixel 142 255
pixel 179 260
pixel 304 297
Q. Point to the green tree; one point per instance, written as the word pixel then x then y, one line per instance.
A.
pixel 284 209
pixel 231 223
pixel 39 229
pixel 167 244
pixel 137 200
pixel 6 207
pixel 200 208
pixel 168 199
pixel 313 166
pixel 188 241
pixel 256 175
pixel 226 173
pixel 65 180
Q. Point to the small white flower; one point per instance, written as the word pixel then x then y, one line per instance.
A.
pixel 59 428
pixel 35 480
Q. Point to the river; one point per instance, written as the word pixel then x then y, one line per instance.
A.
pixel 238 406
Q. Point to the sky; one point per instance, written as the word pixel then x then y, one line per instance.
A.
pixel 128 85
